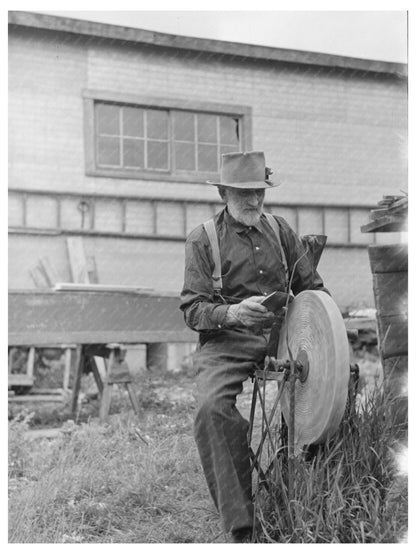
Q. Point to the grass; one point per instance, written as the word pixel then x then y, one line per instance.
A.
pixel 350 491
pixel 138 480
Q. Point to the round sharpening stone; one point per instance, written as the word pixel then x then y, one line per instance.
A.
pixel 315 333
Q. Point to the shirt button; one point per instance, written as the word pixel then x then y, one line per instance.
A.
pixel 264 293
pixel 261 272
pixel 219 326
pixel 257 247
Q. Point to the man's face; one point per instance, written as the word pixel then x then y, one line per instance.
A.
pixel 245 205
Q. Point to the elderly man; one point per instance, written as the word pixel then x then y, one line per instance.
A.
pixel 232 263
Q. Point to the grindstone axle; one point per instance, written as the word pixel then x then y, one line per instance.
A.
pixel 301 366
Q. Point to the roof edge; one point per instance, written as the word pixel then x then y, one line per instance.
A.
pixel 130 34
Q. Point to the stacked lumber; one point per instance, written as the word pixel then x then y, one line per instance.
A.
pixel 389 216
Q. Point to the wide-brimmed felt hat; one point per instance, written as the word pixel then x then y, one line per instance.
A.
pixel 244 170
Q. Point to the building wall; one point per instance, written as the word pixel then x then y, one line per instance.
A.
pixel 333 137
pixel 159 265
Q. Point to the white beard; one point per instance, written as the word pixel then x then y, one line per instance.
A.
pixel 243 209
pixel 247 218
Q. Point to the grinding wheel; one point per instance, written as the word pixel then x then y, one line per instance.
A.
pixel 316 334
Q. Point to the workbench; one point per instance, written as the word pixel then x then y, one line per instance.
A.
pixel 95 324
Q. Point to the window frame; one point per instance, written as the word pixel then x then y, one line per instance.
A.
pixel 90 97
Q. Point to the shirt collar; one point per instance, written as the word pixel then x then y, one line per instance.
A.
pixel 239 227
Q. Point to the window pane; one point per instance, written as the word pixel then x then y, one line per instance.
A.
pixel 108 151
pixel 184 156
pixel 157 124
pixel 207 158
pixel 229 130
pixel 183 126
pixel 207 128
pixel 133 153
pixel 133 125
pixel 157 155
pixel 107 117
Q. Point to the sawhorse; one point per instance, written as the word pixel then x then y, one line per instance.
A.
pixel 116 372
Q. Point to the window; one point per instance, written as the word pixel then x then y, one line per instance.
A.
pixel 131 138
pixel 200 139
pixel 165 141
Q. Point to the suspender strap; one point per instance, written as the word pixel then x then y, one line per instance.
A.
pixel 275 226
pixel 209 227
pixel 211 231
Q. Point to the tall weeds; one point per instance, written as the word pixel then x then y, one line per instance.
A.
pixel 349 492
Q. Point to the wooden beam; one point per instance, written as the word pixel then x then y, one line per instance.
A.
pixel 388 258
pixel 20 379
pixel 391 293
pixel 39 278
pixel 41 318
pixel 79 360
pixel 393 336
pixel 77 260
pixel 386 224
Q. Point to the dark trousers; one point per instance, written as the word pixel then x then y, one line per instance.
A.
pixel 222 364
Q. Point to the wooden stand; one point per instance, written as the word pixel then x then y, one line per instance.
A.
pixel 117 372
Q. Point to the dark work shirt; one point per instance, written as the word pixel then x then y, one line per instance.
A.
pixel 251 265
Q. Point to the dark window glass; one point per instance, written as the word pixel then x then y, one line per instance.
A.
pixel 185 156
pixel 133 122
pixel 228 130
pixel 157 124
pixel 133 153
pixel 108 120
pixel 157 155
pixel 108 151
pixel 207 128
pixel 207 158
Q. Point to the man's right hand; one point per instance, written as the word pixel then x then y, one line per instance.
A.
pixel 249 312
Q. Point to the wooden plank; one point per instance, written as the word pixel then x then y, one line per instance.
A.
pixel 24 338
pixel 133 398
pixel 49 270
pixel 79 367
pixel 386 224
pixel 96 287
pixel 20 379
pixel 391 293
pixel 36 398
pixel 77 260
pixel 67 368
pixel 96 372
pixel 106 393
pixel 12 352
pixel 42 318
pixel 46 391
pixel 31 362
pixel 38 278
pixel 388 258
pixel 92 270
